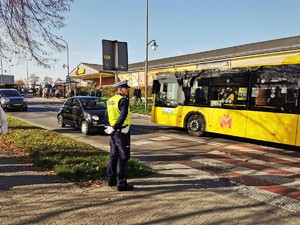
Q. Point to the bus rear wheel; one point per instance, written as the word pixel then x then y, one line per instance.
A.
pixel 196 125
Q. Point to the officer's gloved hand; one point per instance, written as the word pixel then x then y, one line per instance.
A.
pixel 109 130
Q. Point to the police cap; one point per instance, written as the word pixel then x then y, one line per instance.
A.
pixel 121 84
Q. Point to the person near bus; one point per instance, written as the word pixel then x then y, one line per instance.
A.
pixel 137 94
pixel 3 121
pixel 118 119
pixel 232 97
pixel 97 93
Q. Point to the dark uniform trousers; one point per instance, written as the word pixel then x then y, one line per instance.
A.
pixel 119 156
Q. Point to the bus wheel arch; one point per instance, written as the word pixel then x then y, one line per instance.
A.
pixel 195 124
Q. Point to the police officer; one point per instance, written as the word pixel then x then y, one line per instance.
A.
pixel 118 117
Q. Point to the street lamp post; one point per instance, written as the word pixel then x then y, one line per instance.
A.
pixel 68 57
pixel 2 81
pixel 27 78
pixel 9 68
pixel 154 47
pixel 68 61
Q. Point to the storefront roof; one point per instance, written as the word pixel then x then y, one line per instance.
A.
pixel 252 49
pixel 273 46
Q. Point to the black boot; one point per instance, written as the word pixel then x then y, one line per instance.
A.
pixel 112 183
pixel 125 187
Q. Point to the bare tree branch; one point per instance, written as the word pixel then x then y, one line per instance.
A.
pixel 27 28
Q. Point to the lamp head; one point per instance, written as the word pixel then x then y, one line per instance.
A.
pixel 154 46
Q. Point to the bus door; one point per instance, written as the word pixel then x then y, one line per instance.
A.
pixel 166 104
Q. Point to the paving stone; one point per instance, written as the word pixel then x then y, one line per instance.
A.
pixel 170 197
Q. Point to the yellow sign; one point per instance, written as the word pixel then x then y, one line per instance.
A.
pixel 242 94
pixel 80 71
pixel 106 56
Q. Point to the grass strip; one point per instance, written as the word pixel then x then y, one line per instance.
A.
pixel 140 108
pixel 69 158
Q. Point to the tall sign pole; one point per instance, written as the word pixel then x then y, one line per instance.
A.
pixel 2 80
pixel 146 60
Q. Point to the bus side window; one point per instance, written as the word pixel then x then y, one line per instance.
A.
pixel 200 96
pixel 275 99
pixel 229 97
pixel 199 92
pixel 292 100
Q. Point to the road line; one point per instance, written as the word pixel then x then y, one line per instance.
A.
pixel 261 195
pixel 293 157
pixel 232 150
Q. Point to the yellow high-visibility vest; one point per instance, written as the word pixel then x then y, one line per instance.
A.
pixel 114 112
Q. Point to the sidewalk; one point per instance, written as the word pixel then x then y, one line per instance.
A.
pixel 176 195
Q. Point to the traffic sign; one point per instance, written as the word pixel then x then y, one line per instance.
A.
pixel 68 79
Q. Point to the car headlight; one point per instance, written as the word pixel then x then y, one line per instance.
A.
pixel 4 100
pixel 95 117
pixel 25 99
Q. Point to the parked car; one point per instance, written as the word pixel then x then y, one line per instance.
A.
pixel 84 112
pixel 12 99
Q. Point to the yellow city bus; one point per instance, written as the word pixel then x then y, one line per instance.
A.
pixel 255 97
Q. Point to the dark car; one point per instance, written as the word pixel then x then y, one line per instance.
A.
pixel 84 112
pixel 12 99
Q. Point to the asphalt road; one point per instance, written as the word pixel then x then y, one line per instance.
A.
pixel 163 143
pixel 42 112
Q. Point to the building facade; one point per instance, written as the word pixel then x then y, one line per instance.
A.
pixel 267 52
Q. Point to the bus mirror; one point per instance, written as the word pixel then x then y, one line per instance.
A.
pixel 155 87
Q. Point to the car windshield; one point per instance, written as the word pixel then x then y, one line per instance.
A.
pixel 93 103
pixel 9 93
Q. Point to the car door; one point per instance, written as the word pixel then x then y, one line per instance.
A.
pixel 66 111
pixel 76 112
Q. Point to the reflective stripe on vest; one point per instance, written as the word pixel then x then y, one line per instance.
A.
pixel 114 111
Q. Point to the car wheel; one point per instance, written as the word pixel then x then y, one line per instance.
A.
pixel 196 125
pixel 84 127
pixel 60 121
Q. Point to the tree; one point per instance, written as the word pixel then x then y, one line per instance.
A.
pixel 20 82
pixel 34 79
pixel 48 80
pixel 27 28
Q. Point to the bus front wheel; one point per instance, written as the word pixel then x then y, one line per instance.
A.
pixel 196 125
